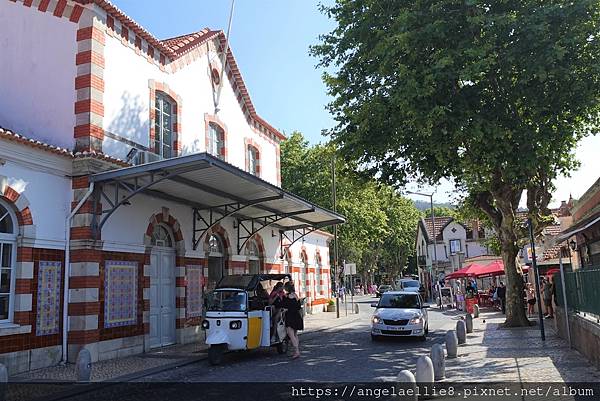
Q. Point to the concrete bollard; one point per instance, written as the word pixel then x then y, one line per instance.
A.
pixel 84 366
pixel 439 362
pixel 406 380
pixel 424 370
pixel 475 311
pixel 461 332
pixel 469 323
pixel 356 308
pixel 451 344
pixel 3 382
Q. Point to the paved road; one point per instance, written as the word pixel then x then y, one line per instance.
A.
pixel 343 353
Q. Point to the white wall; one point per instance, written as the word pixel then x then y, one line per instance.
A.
pixel 126 105
pixel 42 179
pixel 37 74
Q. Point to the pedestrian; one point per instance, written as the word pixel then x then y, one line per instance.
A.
pixel 530 293
pixel 548 292
pixel 293 319
pixel 501 291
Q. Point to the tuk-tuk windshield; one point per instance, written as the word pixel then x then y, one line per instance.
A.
pixel 227 300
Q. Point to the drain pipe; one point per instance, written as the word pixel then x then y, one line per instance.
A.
pixel 68 271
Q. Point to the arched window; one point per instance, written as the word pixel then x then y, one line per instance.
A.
pixel 215 246
pixel 216 141
pixel 318 277
pixel 8 257
pixel 253 257
pixel 161 236
pixel 253 160
pixel 216 261
pixel 164 108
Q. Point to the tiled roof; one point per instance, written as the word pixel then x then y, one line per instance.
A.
pixel 440 223
pixel 554 251
pixel 178 46
pixel 14 137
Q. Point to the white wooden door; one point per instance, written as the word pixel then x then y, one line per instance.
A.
pixel 162 298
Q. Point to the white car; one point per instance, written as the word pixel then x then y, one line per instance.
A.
pixel 400 313
pixel 409 285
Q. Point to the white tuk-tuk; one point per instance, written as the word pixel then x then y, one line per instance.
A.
pixel 239 317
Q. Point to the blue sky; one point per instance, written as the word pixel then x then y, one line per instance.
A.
pixel 270 40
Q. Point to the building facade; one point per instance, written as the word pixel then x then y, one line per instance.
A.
pixel 87 91
pixel 454 242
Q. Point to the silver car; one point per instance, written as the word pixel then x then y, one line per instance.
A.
pixel 400 313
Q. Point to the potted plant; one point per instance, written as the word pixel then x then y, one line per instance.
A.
pixel 331 306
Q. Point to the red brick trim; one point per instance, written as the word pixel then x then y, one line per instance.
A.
pixel 89 57
pixel 84 308
pixel 43 7
pixel 76 13
pixel 60 8
pixel 24 217
pixel 165 218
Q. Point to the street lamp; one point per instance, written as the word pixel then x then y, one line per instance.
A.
pixel 433 230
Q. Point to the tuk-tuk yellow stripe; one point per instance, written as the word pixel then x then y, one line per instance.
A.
pixel 254 331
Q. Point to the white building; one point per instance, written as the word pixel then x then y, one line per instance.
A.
pixel 88 99
pixel 443 250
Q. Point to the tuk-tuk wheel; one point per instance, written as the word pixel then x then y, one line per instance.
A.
pixel 282 347
pixel 215 354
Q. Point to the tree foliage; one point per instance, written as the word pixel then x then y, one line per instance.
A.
pixel 380 224
pixel 493 95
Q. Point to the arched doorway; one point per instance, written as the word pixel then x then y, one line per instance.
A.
pixel 162 288
pixel 253 255
pixel 216 261
pixel 8 258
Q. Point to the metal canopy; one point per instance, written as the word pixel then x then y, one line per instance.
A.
pixel 214 190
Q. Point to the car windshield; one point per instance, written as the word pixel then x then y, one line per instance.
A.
pixel 399 301
pixel 227 300
pixel 410 283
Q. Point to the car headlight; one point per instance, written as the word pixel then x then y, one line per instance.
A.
pixel 205 324
pixel 377 319
pixel 235 324
pixel 416 320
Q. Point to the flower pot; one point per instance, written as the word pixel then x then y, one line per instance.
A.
pixel 330 308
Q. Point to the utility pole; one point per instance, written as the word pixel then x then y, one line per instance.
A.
pixel 435 259
pixel 335 244
pixel 537 281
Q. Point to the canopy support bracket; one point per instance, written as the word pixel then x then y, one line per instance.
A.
pixel 246 228
pixel 216 214
pixel 293 236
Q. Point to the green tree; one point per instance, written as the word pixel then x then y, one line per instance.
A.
pixel 380 224
pixel 493 95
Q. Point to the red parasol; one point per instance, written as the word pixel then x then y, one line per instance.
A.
pixel 464 272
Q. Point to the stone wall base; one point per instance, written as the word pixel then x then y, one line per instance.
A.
pixel 585 334
pixel 31 359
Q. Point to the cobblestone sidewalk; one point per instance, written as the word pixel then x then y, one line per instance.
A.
pixel 493 353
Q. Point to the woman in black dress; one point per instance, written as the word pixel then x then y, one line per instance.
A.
pixel 293 319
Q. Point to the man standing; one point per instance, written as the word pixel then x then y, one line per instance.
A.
pixel 502 296
pixel 548 291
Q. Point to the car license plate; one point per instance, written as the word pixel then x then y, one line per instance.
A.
pixel 395 328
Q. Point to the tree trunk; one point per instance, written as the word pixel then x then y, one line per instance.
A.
pixel 515 304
